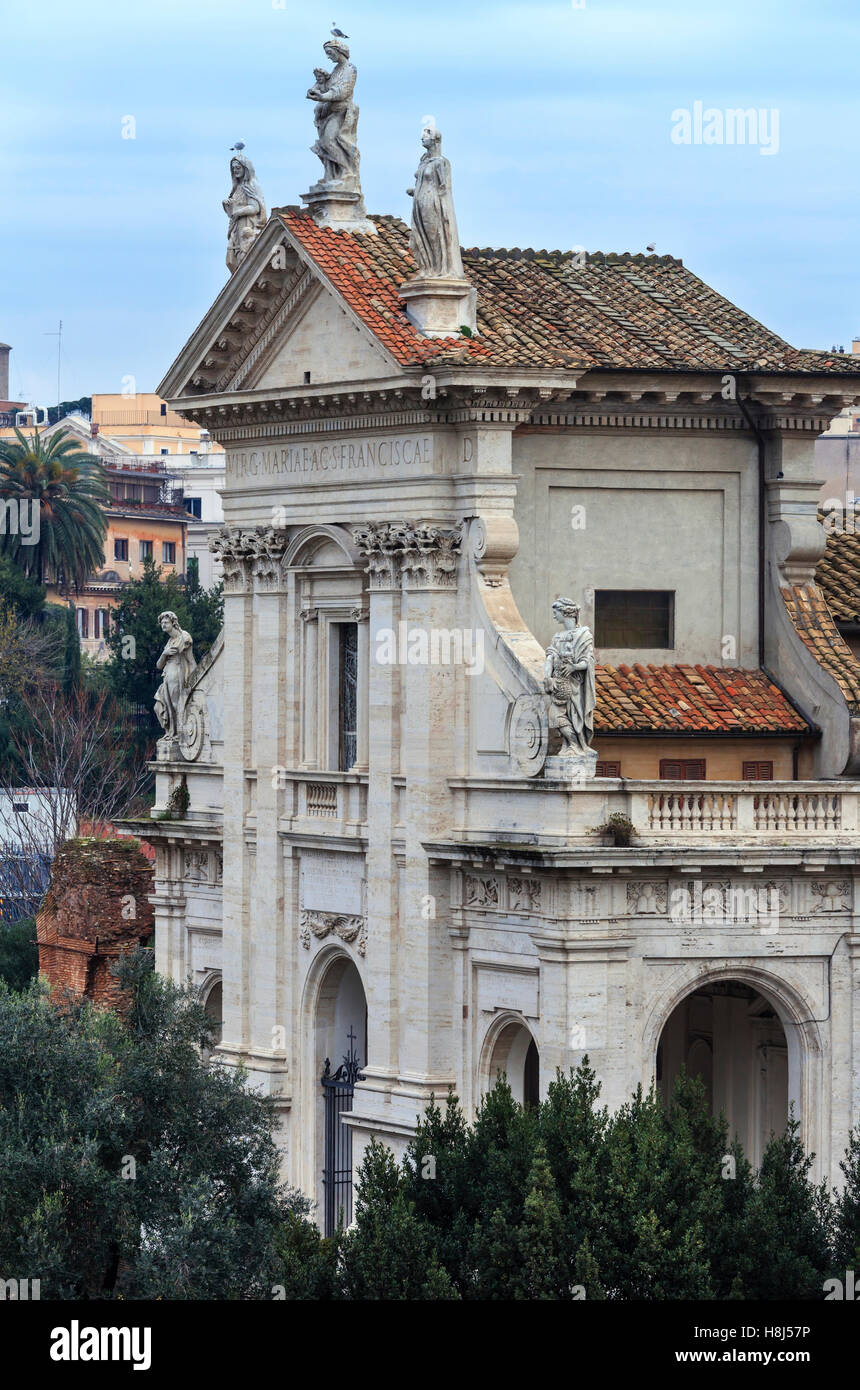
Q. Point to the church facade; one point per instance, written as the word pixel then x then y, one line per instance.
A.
pixel 381 868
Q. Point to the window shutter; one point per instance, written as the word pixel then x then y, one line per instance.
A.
pixel 757 772
pixel 608 770
pixel 682 769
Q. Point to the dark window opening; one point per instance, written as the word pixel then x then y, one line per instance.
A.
pixel 348 695
pixel 307 378
pixel 168 552
pixel 146 550
pixel 608 770
pixel 531 1078
pixel 634 618
pixel 193 505
pixel 120 549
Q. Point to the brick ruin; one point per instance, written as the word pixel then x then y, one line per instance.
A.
pixel 96 907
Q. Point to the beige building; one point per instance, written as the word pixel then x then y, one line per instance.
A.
pixel 380 872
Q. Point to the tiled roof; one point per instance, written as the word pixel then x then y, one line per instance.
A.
pixel 810 614
pixel 541 309
pixel 838 573
pixel 692 699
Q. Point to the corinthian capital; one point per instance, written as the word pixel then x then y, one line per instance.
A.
pixel 423 554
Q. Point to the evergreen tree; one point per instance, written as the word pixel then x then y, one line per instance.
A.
pixel 786 1230
pixel 72 653
pixel 83 1097
pixel 846 1226
pixel 389 1253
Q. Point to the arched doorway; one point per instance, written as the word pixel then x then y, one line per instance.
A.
pixel 731 1036
pixel 515 1054
pixel 340 1052
pixel 214 1007
pixel 212 998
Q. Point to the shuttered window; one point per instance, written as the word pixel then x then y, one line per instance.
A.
pixel 682 769
pixel 757 772
pixel 608 770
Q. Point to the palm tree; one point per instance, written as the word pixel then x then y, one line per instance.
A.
pixel 69 488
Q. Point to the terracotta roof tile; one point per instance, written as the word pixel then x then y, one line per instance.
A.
pixel 808 610
pixel 692 699
pixel 838 573
pixel 541 309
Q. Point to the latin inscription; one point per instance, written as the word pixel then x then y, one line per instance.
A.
pixel 387 456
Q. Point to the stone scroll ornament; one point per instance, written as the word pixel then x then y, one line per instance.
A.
pixel 245 207
pixel 176 708
pixel 528 734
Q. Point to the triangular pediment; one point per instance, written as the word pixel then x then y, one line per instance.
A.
pixel 275 319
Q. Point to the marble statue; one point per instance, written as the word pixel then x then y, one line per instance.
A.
pixel 245 208
pixel 336 118
pixel 569 679
pixel 177 666
pixel 433 240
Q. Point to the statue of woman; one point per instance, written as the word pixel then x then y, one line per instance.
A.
pixel 336 117
pixel 177 664
pixel 245 208
pixel 569 678
pixel 433 240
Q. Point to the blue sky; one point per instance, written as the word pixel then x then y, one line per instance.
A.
pixel 557 119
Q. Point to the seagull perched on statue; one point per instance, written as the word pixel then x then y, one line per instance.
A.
pixel 239 145
pixel 338 33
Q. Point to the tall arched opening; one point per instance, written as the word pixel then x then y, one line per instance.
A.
pixel 340 1052
pixel 513 1052
pixel 732 1037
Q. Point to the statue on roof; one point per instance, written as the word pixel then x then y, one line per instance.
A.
pixel 245 207
pixel 336 117
pixel 434 240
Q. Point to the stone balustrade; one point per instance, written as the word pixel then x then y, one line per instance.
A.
pixel 660 812
pixel 335 802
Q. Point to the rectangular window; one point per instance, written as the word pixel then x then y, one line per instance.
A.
pixel 168 552
pixel 83 622
pixel 100 622
pixel 348 695
pixel 634 618
pixel 682 769
pixel 608 770
pixel 145 550
pixel 193 505
pixel 757 772
pixel 120 548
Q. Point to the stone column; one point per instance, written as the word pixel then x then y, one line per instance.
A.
pixel 360 616
pixel 267 958
pixel 312 693
pixel 238 681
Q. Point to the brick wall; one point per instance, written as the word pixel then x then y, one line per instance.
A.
pixel 97 906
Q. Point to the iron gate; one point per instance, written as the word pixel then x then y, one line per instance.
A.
pixel 338 1088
